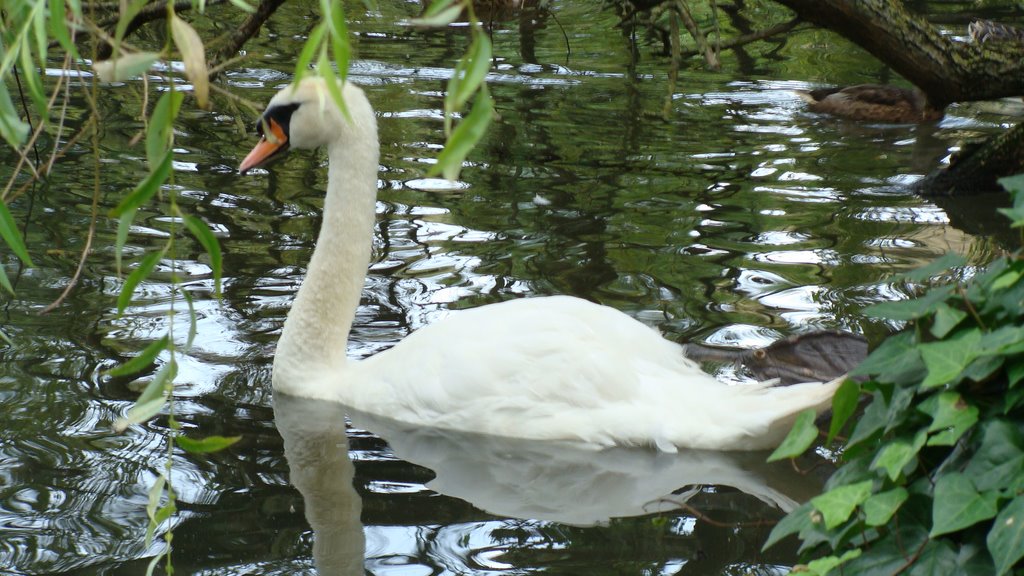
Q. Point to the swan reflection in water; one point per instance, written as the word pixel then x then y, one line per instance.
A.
pixel 544 481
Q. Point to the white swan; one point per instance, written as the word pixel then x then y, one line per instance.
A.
pixel 540 368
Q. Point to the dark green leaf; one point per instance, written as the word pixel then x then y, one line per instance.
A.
pixel 800 437
pixel 889 554
pixel 1015 371
pixel 946 319
pixel 143 360
pixel 140 273
pixel 12 237
pixel 943 264
pixel 144 191
pixel 1007 279
pixel 896 413
pixel 871 422
pixel 958 504
pixel 205 445
pixel 837 504
pixel 895 353
pixel 981 369
pixel 937 557
pixel 947 359
pixel 950 414
pixel 801 518
pixel 879 509
pixel 999 461
pixel 910 309
pixel 202 232
pixel 1006 538
pixel 844 404
pixel 1013 184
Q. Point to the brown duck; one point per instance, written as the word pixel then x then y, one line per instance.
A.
pixel 872 103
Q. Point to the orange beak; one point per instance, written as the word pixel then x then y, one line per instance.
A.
pixel 271 144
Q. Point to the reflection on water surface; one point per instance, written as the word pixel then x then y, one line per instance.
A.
pixel 737 220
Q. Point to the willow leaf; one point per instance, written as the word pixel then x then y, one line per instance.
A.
pixel 145 190
pixel 138 275
pixel 9 232
pixel 142 360
pixel 465 136
pixel 205 236
pixel 194 57
pixel 205 445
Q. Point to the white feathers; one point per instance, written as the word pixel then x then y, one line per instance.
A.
pixel 542 368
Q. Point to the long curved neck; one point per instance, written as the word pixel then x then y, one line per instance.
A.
pixel 316 331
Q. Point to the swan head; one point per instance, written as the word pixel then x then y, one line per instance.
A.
pixel 304 116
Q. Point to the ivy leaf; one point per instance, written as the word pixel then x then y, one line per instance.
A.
pixel 825 565
pixel 873 420
pixel 910 309
pixel 879 509
pixel 800 437
pixel 800 519
pixel 950 414
pixel 943 264
pixel 1006 538
pixel 998 463
pixel 947 359
pixel 895 456
pixel 946 319
pixel 844 404
pixel 937 557
pixel 957 504
pixel 895 353
pixel 837 504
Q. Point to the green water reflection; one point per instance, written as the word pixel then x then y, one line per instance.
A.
pixel 736 220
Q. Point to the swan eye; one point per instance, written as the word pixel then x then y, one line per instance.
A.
pixel 280 115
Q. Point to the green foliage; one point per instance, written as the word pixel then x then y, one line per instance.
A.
pixel 30 29
pixel 468 79
pixel 932 475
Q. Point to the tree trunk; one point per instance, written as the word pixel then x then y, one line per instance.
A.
pixel 976 169
pixel 946 70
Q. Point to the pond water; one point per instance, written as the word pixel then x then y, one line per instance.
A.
pixel 735 219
